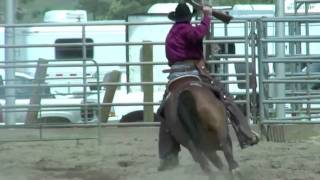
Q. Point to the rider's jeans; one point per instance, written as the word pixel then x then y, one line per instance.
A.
pixel 175 75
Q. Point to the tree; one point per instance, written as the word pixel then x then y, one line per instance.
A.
pixel 232 2
pixel 119 9
pixel 99 9
pixel 26 1
pixel 137 6
pixel 21 12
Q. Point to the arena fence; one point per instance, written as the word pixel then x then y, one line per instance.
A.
pixel 233 53
pixel 289 78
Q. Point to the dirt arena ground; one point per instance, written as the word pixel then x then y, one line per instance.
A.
pixel 131 154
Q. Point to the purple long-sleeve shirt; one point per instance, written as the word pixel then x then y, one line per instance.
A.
pixel 184 41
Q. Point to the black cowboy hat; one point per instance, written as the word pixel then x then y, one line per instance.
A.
pixel 182 13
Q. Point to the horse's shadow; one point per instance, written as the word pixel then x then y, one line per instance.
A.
pixel 197 120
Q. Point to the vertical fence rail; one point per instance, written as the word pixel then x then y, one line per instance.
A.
pixel 147 76
pixel 247 73
pixel 41 71
pixel 253 77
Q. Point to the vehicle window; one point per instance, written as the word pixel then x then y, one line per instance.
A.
pixel 72 52
pixel 24 92
pixel 21 92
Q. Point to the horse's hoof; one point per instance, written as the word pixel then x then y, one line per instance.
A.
pixel 166 167
pixel 207 171
pixel 236 172
pixel 168 164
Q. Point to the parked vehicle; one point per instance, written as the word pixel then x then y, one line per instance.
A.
pixel 53 110
pixel 62 46
pixel 122 99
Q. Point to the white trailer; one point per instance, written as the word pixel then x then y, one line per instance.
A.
pixel 56 42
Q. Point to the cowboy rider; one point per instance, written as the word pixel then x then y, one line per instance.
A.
pixel 184 48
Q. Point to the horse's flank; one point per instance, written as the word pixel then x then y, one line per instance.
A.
pixel 206 111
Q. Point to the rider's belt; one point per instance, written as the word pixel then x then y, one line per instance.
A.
pixel 180 69
pixel 182 66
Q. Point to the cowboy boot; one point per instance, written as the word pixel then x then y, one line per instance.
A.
pixel 246 136
pixel 246 142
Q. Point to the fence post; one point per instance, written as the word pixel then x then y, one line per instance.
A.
pixel 1 114
pixel 261 76
pixel 146 55
pixel 112 77
pixel 35 99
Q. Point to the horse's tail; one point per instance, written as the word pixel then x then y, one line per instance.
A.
pixel 187 112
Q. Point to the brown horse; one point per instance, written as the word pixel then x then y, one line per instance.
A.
pixel 197 119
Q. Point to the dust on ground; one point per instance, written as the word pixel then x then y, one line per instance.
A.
pixel 131 154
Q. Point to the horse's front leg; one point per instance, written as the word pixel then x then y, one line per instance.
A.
pixel 227 150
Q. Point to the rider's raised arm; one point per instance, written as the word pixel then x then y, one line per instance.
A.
pixel 198 32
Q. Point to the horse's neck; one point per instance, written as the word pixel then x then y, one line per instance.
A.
pixel 181 83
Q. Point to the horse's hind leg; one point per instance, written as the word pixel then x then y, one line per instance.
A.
pixel 215 159
pixel 199 157
pixel 188 116
pixel 227 150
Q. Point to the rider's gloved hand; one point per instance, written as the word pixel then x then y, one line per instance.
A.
pixel 207 10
